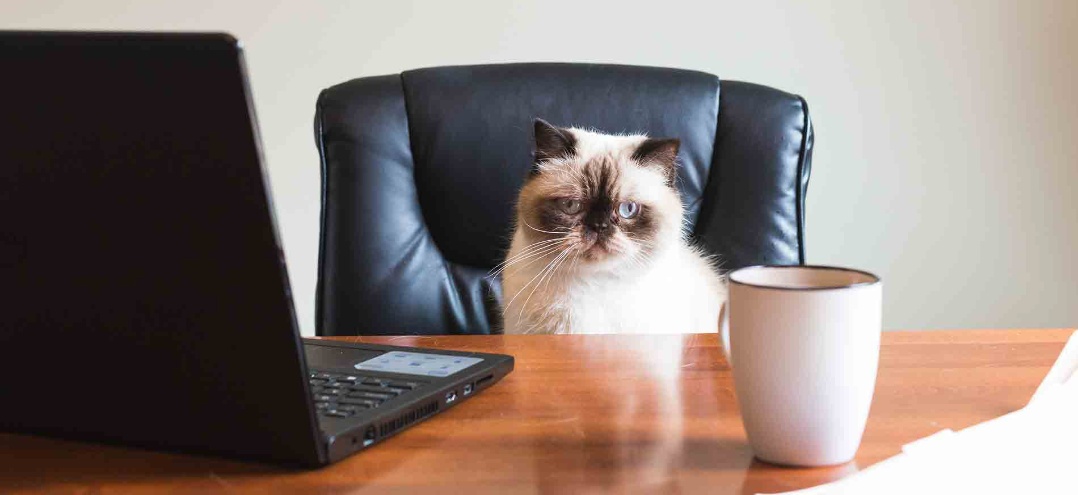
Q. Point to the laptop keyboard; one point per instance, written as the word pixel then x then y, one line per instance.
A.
pixel 340 395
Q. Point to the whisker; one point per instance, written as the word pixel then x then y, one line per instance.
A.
pixel 526 250
pixel 544 250
pixel 525 286
pixel 544 241
pixel 554 267
pixel 543 231
pixel 530 282
pixel 538 257
pixel 519 257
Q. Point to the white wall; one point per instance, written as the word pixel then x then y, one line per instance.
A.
pixel 947 147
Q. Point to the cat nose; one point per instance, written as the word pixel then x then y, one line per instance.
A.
pixel 599 222
pixel 600 226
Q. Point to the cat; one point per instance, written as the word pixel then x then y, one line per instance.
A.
pixel 599 245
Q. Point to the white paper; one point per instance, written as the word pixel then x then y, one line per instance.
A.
pixel 941 437
pixel 1064 368
pixel 1032 450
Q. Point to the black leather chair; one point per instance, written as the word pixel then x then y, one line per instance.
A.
pixel 420 171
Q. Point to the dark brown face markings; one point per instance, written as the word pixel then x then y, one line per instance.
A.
pixel 660 152
pixel 551 143
pixel 601 187
pixel 554 218
pixel 590 216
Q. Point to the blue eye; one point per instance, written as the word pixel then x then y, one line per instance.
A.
pixel 628 209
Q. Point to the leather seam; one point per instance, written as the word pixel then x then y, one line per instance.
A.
pixel 455 293
pixel 321 141
pixel 714 173
pixel 714 168
pixel 799 179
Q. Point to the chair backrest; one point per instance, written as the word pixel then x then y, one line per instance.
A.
pixel 420 171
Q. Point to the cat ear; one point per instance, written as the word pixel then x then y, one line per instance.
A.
pixel 660 152
pixel 552 142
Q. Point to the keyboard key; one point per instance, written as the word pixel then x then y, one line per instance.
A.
pixel 359 402
pixel 333 391
pixel 321 375
pixel 324 398
pixel 381 390
pixel 337 413
pixel 321 405
pixel 350 378
pixel 317 381
pixel 371 395
pixel 404 385
pixel 376 382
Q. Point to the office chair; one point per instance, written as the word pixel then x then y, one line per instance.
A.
pixel 420 172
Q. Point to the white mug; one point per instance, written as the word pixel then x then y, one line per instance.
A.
pixel 804 345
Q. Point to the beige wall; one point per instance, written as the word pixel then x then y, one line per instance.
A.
pixel 947 149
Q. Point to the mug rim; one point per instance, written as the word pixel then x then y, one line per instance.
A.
pixel 874 279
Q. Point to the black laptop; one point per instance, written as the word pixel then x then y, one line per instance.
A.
pixel 143 293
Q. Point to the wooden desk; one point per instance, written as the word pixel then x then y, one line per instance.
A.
pixel 650 414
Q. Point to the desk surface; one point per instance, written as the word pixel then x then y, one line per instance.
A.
pixel 651 414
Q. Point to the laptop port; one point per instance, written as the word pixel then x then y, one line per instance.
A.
pixel 368 436
pixel 468 389
pixel 450 396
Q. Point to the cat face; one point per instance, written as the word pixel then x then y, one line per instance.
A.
pixel 604 201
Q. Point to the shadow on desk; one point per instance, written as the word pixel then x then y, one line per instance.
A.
pixel 34 464
pixel 39 463
pixel 761 477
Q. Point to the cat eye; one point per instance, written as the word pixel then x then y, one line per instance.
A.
pixel 569 205
pixel 628 209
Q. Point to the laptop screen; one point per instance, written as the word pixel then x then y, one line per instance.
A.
pixel 132 190
pixel 138 247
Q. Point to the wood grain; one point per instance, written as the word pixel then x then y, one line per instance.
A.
pixel 588 414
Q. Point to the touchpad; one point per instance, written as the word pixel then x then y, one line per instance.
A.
pixel 418 363
pixel 330 358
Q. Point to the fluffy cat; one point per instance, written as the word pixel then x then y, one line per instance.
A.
pixel 599 245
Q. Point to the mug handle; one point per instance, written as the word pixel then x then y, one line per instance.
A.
pixel 724 333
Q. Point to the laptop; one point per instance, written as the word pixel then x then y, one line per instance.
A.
pixel 144 299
